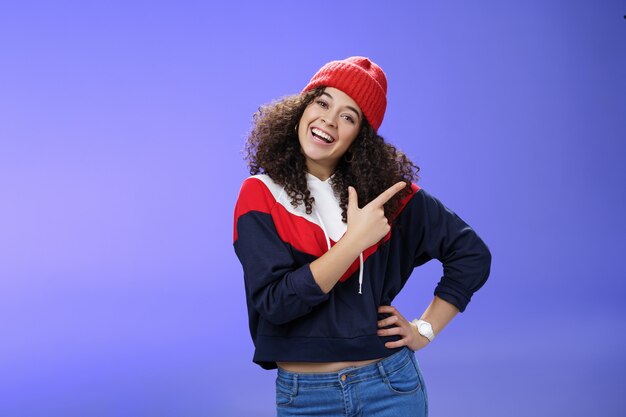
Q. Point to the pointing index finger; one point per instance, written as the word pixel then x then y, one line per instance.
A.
pixel 388 193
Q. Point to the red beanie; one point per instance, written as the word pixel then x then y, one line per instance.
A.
pixel 361 79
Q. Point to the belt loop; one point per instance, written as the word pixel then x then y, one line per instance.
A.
pixel 294 388
pixel 381 369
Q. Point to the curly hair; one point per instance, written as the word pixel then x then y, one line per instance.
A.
pixel 273 148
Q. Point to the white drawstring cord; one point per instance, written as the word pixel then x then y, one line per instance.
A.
pixel 323 228
pixel 360 272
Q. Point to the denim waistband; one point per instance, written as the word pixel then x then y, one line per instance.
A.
pixel 347 375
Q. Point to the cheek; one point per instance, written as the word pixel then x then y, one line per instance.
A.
pixel 305 119
pixel 302 129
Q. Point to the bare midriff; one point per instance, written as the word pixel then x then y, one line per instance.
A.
pixel 317 367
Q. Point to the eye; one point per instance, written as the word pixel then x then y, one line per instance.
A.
pixel 322 103
pixel 348 118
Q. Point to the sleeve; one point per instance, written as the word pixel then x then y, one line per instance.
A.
pixel 278 287
pixel 445 236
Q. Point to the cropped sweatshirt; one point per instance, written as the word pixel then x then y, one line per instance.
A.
pixel 291 319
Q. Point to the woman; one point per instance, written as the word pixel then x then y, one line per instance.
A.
pixel 328 229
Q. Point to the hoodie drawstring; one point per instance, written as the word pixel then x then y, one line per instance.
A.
pixel 360 272
pixel 323 228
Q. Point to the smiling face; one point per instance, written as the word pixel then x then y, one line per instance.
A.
pixel 326 130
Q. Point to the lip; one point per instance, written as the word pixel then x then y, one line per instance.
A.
pixel 320 141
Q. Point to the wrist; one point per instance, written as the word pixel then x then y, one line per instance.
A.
pixel 424 328
pixel 351 244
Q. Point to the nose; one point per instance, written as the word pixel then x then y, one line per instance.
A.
pixel 329 119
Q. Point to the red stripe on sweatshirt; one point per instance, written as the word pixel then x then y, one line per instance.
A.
pixel 304 235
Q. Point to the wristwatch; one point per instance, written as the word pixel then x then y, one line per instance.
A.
pixel 424 328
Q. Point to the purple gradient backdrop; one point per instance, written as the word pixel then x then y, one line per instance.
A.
pixel 121 129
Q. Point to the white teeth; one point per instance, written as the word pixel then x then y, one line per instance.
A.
pixel 322 135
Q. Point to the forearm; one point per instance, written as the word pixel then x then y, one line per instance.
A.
pixel 439 313
pixel 328 268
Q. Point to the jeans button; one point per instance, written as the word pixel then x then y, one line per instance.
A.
pixel 343 377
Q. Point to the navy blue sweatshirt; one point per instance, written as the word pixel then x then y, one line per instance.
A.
pixel 292 320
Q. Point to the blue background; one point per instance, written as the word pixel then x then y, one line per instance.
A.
pixel 121 131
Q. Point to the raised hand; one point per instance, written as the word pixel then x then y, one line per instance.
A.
pixel 368 225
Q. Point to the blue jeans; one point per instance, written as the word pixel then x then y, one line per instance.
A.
pixel 391 387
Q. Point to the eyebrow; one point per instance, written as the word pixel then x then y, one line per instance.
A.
pixel 348 107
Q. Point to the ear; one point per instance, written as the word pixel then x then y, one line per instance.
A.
pixel 349 155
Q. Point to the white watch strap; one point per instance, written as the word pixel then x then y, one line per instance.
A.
pixel 424 328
